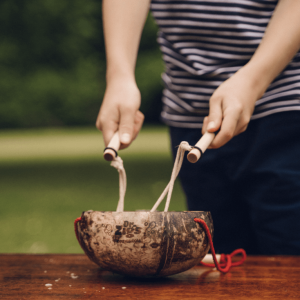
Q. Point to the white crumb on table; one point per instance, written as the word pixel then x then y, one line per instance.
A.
pixel 48 284
pixel 73 276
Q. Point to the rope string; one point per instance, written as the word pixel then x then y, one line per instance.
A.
pixel 226 260
pixel 76 228
pixel 118 164
pixel 184 146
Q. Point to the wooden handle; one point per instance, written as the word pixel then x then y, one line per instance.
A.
pixel 111 151
pixel 195 154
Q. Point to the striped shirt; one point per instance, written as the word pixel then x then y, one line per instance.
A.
pixel 203 43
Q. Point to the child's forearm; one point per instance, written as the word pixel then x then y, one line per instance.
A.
pixel 123 22
pixel 278 46
pixel 232 104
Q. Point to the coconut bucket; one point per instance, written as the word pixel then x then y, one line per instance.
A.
pixel 146 243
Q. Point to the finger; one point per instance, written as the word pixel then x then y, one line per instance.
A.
pixel 108 130
pixel 242 124
pixel 228 129
pixel 215 114
pixel 204 126
pixel 138 123
pixel 126 126
pixel 108 126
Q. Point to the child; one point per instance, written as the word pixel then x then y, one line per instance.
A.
pixel 227 62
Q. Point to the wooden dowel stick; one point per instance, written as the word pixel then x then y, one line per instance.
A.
pixel 110 154
pixel 194 155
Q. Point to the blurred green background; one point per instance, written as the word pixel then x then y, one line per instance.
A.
pixel 52 79
pixel 52 64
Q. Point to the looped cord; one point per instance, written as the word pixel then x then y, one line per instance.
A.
pixel 76 228
pixel 226 260
pixel 117 163
pixel 184 146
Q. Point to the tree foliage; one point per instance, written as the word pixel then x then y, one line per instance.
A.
pixel 52 64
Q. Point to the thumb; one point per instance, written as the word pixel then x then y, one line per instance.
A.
pixel 126 127
pixel 214 119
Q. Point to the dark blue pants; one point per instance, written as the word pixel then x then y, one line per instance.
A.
pixel 251 185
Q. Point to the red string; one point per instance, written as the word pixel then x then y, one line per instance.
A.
pixel 76 228
pixel 226 260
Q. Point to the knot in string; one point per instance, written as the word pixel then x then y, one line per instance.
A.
pixel 117 163
pixel 185 146
pixel 226 260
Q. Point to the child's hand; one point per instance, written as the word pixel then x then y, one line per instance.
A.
pixel 232 104
pixel 120 111
pixel 231 107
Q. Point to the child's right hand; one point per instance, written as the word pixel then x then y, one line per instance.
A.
pixel 231 106
pixel 120 111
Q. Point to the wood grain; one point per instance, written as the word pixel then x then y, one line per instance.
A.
pixel 75 277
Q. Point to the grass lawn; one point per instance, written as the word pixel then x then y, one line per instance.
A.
pixel 48 177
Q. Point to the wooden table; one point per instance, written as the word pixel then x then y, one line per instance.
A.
pixel 75 277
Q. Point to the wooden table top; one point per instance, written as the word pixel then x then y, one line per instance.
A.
pixel 75 277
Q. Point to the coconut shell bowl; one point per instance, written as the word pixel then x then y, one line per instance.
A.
pixel 144 243
pixel 147 243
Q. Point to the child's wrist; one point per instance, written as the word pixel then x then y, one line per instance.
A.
pixel 258 77
pixel 120 74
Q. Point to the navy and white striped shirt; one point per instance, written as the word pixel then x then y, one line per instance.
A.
pixel 204 42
